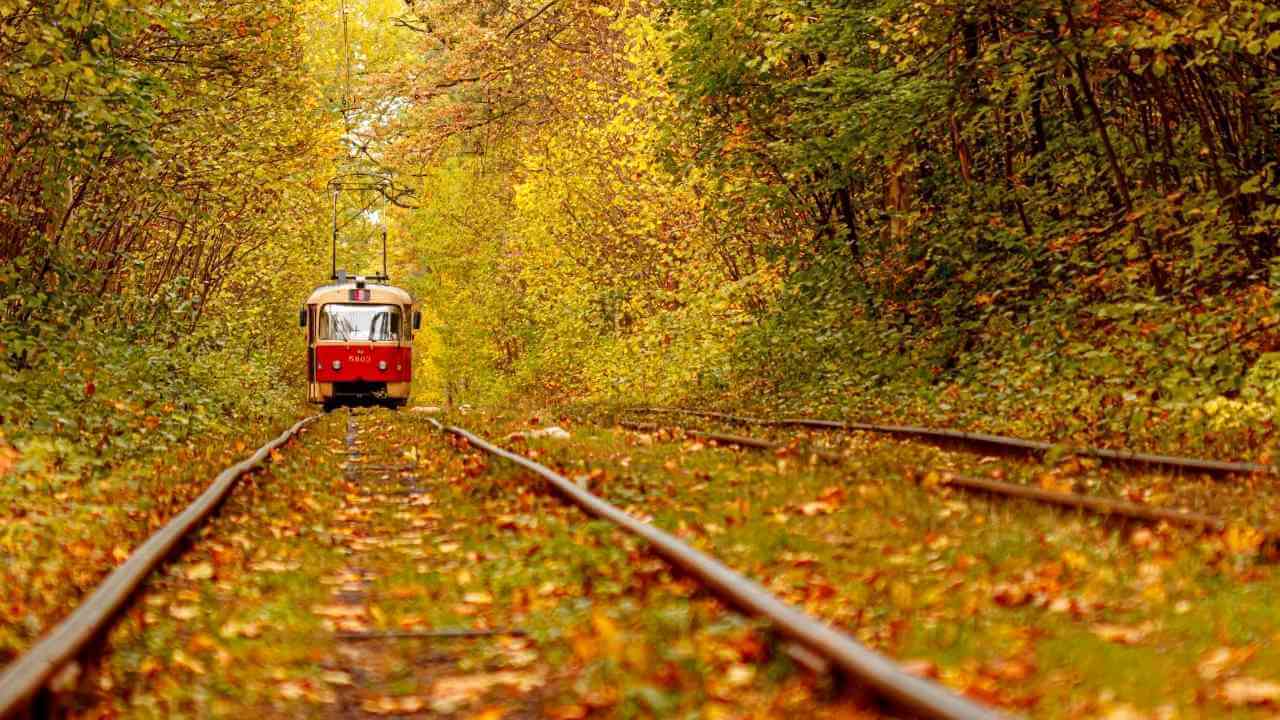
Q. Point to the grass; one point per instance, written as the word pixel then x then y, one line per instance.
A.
pixel 60 533
pixel 1054 613
pixel 611 631
pixel 1044 612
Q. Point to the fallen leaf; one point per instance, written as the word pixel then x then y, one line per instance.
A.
pixel 183 612
pixel 1056 483
pixel 390 705
pixel 832 494
pixel 1242 540
pixel 183 660
pixel 339 611
pixel 273 566
pixel 8 457
pixel 450 693
pixel 1010 595
pixel 235 628
pixel 336 677
pixel 1142 538
pixel 202 642
pixel 1221 661
pixel 819 507
pixel 1249 691
pixel 921 668
pixel 739 675
pixel 1122 634
pixel 291 690
pixel 201 571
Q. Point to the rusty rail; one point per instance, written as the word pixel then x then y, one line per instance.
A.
pixel 728 439
pixel 1002 441
pixel 1098 505
pixel 890 682
pixel 1093 504
pixel 23 679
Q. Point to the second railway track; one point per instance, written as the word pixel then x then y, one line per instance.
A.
pixel 1109 507
pixel 984 440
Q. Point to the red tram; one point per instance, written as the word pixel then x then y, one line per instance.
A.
pixel 359 342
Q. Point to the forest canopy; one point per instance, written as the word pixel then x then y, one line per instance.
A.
pixel 1063 214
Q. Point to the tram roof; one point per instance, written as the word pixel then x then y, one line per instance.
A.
pixel 378 293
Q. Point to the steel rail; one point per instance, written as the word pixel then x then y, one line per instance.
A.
pixel 22 679
pixel 1004 441
pixel 1097 505
pixel 739 440
pixel 890 682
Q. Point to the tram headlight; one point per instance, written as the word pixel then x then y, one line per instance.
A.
pixel 382 364
pixel 337 365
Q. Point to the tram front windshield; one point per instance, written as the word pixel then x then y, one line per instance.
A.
pixel 359 323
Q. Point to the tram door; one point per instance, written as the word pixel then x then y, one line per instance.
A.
pixel 313 391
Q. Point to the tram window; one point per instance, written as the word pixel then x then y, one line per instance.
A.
pixel 359 323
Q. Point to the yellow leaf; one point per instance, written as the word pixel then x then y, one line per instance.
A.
pixel 201 571
pixel 183 660
pixel 291 690
pixel 1121 634
pixel 739 675
pixel 234 628
pixel 1248 691
pixel 183 612
pixel 339 611
pixel 1220 661
pixel 1242 540
pixel 273 566
pixel 336 677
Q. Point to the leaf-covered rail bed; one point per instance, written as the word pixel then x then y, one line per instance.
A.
pixel 917 695
pixel 23 681
pixel 1103 506
pixel 1033 608
pixel 989 441
pixel 384 568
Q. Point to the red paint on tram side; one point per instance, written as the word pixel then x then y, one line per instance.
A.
pixel 360 363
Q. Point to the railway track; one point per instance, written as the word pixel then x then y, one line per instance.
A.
pixel 988 441
pixel 1108 507
pixel 376 484
pixel 409 515
pixel 859 664
pixel 22 680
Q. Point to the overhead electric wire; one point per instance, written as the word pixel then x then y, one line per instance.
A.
pixel 346 59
